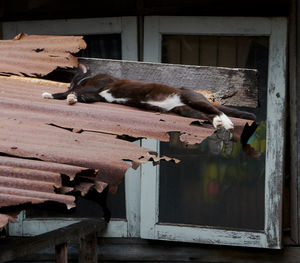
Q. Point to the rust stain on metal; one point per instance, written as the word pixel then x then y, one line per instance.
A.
pixel 25 181
pixel 33 55
pixel 7 218
pixel 41 166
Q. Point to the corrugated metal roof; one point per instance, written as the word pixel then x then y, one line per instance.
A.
pixel 6 218
pixel 57 138
pixel 36 165
pixel 38 55
pixel 42 139
pixel 111 118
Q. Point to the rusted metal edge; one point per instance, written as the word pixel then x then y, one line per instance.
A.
pixel 38 55
pixel 7 218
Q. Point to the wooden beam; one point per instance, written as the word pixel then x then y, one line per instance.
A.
pixel 61 253
pixel 230 86
pixel 21 248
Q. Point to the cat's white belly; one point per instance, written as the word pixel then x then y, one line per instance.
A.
pixel 110 98
pixel 167 104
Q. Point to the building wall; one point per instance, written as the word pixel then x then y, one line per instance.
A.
pixel 55 9
pixel 137 249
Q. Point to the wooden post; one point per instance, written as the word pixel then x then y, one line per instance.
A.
pixel 61 253
pixel 88 249
pixel 293 161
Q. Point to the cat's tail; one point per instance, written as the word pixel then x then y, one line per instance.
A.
pixel 232 112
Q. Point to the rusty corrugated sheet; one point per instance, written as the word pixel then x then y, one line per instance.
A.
pixel 39 140
pixel 36 165
pixel 38 55
pixel 111 118
pixel 7 218
pixel 57 138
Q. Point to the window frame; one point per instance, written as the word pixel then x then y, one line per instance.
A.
pixel 276 29
pixel 127 27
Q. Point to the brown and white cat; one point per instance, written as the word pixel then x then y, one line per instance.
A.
pixel 150 96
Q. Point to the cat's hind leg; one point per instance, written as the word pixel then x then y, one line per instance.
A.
pixel 187 111
pixel 222 120
pixel 198 102
pixel 217 119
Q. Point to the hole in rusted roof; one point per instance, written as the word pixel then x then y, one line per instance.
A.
pixel 38 50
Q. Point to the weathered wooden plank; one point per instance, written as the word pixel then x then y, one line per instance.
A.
pixel 294 142
pixel 61 253
pixel 88 249
pixel 276 129
pixel 30 245
pixel 230 86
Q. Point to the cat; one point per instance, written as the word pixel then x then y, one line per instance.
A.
pixel 150 96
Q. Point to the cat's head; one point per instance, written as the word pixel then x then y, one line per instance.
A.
pixel 80 78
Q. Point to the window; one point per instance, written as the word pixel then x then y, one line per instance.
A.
pixel 211 198
pixel 107 46
pixel 208 195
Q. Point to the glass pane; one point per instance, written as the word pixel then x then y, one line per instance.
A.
pixel 102 46
pixel 210 188
pixel 98 46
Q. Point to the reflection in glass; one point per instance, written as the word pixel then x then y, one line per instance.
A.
pixel 214 187
pixel 102 46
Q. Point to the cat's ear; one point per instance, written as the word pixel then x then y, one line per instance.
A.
pixel 83 68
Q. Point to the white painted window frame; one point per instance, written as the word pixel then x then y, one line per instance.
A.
pixel 127 27
pixel 276 29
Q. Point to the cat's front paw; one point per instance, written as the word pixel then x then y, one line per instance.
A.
pixel 47 95
pixel 71 99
